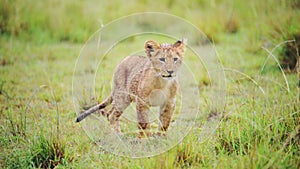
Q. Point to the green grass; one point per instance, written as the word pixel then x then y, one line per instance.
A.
pixel 39 45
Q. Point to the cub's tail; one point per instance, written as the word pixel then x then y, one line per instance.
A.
pixel 91 110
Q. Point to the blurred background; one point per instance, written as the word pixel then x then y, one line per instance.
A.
pixel 257 23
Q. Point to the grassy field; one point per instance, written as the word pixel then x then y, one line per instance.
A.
pixel 259 127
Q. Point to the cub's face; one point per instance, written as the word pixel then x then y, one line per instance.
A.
pixel 165 58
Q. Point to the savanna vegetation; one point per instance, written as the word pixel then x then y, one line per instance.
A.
pixel 257 43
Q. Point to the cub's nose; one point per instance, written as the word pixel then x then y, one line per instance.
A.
pixel 170 71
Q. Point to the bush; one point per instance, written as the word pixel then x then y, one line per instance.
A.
pixel 290 53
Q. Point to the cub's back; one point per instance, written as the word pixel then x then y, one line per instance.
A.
pixel 131 67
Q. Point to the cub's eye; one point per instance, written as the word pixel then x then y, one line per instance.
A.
pixel 162 59
pixel 175 59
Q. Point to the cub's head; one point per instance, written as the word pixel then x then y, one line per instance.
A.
pixel 165 58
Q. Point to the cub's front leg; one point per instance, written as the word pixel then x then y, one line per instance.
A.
pixel 165 115
pixel 143 118
pixel 167 109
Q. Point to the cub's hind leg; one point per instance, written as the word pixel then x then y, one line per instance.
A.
pixel 119 104
pixel 114 119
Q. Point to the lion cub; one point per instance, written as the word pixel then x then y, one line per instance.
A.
pixel 148 81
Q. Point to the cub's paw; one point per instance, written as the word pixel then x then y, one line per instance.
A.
pixel 160 134
pixel 144 134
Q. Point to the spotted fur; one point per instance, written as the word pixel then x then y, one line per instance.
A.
pixel 148 81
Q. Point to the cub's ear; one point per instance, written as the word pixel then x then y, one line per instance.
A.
pixel 150 47
pixel 180 45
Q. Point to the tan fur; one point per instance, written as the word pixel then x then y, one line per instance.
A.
pixel 148 81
